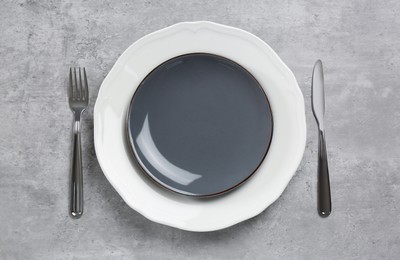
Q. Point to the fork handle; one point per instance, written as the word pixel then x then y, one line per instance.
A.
pixel 76 203
pixel 324 191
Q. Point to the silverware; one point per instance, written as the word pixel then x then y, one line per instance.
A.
pixel 78 97
pixel 318 105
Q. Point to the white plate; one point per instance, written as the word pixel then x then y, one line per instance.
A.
pixel 165 207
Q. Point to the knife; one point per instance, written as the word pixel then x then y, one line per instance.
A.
pixel 318 106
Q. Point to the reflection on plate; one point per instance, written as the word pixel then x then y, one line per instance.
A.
pixel 199 124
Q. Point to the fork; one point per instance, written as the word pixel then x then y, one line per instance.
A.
pixel 78 98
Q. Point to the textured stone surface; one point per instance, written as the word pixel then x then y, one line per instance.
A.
pixel 359 42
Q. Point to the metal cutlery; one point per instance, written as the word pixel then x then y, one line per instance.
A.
pixel 78 98
pixel 318 105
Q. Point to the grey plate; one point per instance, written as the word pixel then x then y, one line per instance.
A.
pixel 199 124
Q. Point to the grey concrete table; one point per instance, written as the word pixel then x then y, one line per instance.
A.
pixel 360 45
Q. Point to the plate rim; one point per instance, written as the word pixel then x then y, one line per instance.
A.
pixel 220 224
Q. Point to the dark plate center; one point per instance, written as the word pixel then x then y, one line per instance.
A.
pixel 199 124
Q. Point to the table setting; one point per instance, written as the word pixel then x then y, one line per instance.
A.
pixel 220 145
pixel 200 137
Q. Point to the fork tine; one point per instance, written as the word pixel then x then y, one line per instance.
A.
pixel 81 95
pixel 76 85
pixel 85 85
pixel 73 85
pixel 70 89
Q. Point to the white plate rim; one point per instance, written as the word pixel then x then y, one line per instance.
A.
pixel 144 196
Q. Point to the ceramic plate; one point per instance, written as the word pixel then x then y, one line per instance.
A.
pixel 166 207
pixel 199 124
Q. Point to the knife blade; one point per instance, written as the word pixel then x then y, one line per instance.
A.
pixel 318 94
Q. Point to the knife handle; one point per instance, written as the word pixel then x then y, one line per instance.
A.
pixel 324 191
